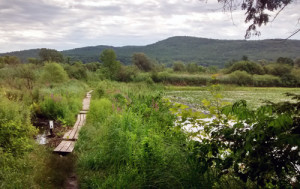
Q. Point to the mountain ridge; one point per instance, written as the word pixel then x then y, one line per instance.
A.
pixel 203 51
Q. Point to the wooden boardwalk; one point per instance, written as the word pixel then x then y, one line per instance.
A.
pixel 68 143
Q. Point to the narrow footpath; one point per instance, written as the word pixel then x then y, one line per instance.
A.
pixel 67 145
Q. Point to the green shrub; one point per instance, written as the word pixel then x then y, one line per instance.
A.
pixel 54 73
pixel 249 67
pixel 142 77
pixel 266 81
pixel 77 71
pixel 278 69
pixel 15 127
pixel 178 66
pixel 127 73
pixel 176 79
pixel 240 78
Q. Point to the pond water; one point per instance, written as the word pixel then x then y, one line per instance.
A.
pixel 41 137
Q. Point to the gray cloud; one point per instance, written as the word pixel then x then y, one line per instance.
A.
pixel 64 24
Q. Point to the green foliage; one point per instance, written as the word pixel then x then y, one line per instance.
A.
pixel 202 51
pixel 240 78
pixel 77 70
pixel 51 55
pixel 111 65
pixel 183 79
pixel 15 128
pixel 268 142
pixel 92 66
pixel 249 67
pixel 285 60
pixel 192 68
pixel 130 142
pixel 11 60
pixel 142 61
pixel 54 73
pixel 63 102
pixel 27 73
pixel 178 66
pixel 250 147
pixel 127 73
pixel 278 69
pixel 266 81
pixel 34 61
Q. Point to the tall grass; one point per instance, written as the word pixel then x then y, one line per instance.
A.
pixel 133 143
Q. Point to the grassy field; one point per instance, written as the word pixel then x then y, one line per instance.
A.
pixel 254 96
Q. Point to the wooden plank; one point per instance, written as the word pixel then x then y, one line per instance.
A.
pixel 71 147
pixel 83 112
pixel 72 134
pixel 66 146
pixel 60 146
pixel 76 135
pixel 67 134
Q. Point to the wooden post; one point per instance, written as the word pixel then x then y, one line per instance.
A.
pixel 51 125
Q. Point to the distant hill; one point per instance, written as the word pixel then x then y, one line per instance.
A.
pixel 23 55
pixel 192 49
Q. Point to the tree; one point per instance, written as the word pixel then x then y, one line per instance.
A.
pixel 33 61
pixel 285 60
pixel 11 60
pixel 51 55
pixel 92 66
pixel 142 61
pixel 26 72
pixel 278 69
pixel 108 58
pixel 257 12
pixel 77 70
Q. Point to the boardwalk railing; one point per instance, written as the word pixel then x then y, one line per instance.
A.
pixel 70 137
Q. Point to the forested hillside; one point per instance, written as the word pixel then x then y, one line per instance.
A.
pixel 202 51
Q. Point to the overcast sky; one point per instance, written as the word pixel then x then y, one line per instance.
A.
pixel 66 24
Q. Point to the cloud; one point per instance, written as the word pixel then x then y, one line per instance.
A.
pixel 64 24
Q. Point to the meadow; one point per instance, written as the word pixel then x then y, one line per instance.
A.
pixel 130 139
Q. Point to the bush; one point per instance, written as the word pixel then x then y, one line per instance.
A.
pixel 127 73
pixel 142 77
pixel 192 68
pixel 176 79
pixel 178 66
pixel 77 71
pixel 15 128
pixel 278 69
pixel 266 81
pixel 296 74
pixel 249 67
pixel 240 78
pixel 54 73
pixel 60 108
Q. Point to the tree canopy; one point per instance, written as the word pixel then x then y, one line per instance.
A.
pixel 142 61
pixel 49 55
pixel 108 58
